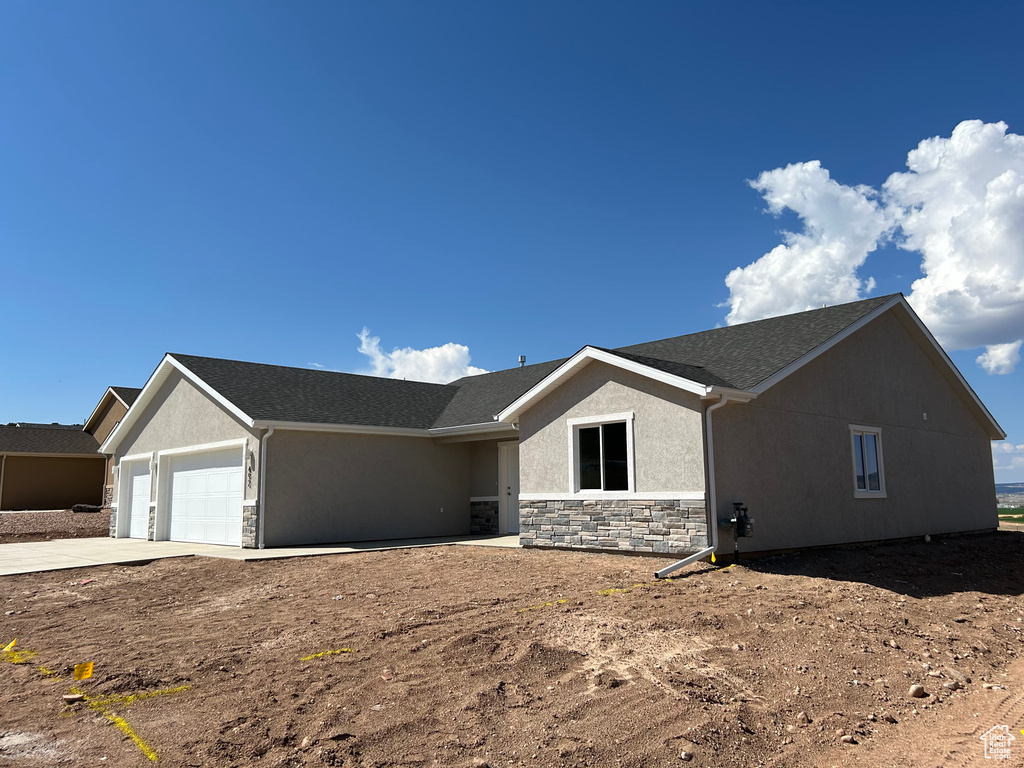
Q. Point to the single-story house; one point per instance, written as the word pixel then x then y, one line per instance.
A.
pixel 55 466
pixel 49 466
pixel 842 424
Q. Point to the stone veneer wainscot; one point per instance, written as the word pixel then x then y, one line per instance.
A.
pixel 665 527
pixel 483 517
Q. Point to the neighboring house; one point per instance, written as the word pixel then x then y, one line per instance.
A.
pixel 49 466
pixel 842 424
pixel 55 466
pixel 105 416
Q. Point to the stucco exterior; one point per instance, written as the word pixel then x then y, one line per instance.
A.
pixel 113 411
pixel 336 487
pixel 669 452
pixel 51 482
pixel 787 455
pixel 179 416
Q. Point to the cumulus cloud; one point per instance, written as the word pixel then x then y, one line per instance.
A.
pixel 1000 358
pixel 819 265
pixel 436 364
pixel 1007 456
pixel 960 205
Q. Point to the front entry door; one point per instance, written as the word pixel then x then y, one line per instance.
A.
pixel 508 487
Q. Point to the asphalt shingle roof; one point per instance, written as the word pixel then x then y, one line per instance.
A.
pixel 277 393
pixel 47 438
pixel 747 354
pixel 738 356
pixel 127 394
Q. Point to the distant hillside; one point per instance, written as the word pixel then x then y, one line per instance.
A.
pixel 1002 488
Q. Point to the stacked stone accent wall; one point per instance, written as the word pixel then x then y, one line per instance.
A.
pixel 151 527
pixel 250 520
pixel 483 517
pixel 108 496
pixel 663 527
pixel 113 522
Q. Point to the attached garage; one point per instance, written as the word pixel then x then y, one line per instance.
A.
pixel 204 497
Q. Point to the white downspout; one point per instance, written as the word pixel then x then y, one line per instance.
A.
pixel 712 499
pixel 263 486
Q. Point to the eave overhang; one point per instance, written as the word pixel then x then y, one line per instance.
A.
pixel 589 354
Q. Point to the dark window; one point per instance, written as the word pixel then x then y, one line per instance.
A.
pixel 604 458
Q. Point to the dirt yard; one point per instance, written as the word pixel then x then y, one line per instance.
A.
pixel 58 524
pixel 466 656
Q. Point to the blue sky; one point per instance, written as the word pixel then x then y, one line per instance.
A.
pixel 261 181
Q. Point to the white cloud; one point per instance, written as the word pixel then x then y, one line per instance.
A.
pixel 436 364
pixel 819 265
pixel 1007 456
pixel 1001 358
pixel 960 205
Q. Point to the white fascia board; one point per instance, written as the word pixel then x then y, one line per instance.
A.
pixel 854 327
pixel 470 429
pixel 583 358
pixel 216 396
pixel 952 367
pixel 160 375
pixel 824 347
pixel 353 429
pixel 99 405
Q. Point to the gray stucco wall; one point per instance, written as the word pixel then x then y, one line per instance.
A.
pixel 334 487
pixel 787 455
pixel 181 416
pixel 667 431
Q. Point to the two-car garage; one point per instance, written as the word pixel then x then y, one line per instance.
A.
pixel 198 496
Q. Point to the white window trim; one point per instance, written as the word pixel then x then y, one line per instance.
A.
pixel 860 429
pixel 574 425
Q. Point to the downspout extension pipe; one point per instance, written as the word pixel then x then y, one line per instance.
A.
pixel 712 500
pixel 263 486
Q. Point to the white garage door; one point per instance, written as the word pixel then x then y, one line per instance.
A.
pixel 206 497
pixel 138 512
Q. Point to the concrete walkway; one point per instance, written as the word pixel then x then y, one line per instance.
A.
pixel 36 556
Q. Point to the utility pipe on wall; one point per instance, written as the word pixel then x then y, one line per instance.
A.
pixel 712 499
pixel 263 486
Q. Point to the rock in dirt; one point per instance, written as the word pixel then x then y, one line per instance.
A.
pixel 71 698
pixel 848 739
pixel 802 718
pixel 686 756
pixel 952 685
pixel 917 692
pixel 890 719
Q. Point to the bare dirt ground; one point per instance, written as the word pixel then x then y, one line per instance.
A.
pixel 465 656
pixel 57 524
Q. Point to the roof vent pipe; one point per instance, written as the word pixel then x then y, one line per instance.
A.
pixel 522 360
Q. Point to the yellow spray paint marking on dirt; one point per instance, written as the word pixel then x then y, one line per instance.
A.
pixel 102 704
pixel 542 605
pixel 124 699
pixel 624 590
pixel 83 671
pixel 15 656
pixel 47 672
pixel 326 653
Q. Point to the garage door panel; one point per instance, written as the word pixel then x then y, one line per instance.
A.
pixel 206 497
pixel 138 511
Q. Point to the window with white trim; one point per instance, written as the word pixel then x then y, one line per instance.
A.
pixel 602 453
pixel 868 472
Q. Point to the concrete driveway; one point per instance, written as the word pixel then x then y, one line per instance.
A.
pixel 36 556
